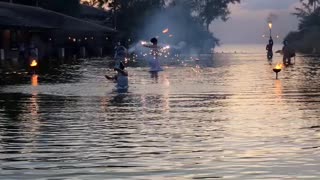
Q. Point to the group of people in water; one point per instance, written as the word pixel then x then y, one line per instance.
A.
pixel 121 78
pixel 287 52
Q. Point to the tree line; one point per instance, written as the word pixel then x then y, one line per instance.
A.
pixel 306 39
pixel 129 16
pixel 194 17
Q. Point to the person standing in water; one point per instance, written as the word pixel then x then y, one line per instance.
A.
pixel 154 61
pixel 288 53
pixel 120 54
pixel 269 48
pixel 121 78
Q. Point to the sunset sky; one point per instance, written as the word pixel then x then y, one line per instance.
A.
pixel 248 21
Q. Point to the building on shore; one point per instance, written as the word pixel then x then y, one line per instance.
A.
pixel 29 32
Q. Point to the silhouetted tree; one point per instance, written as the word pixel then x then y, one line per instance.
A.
pixel 311 3
pixel 306 38
pixel 129 14
pixel 209 10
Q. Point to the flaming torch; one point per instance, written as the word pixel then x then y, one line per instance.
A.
pixel 270 27
pixel 277 69
pixel 33 65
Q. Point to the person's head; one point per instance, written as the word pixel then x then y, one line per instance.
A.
pixel 270 40
pixel 154 41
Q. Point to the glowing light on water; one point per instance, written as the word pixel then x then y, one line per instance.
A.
pixel 34 80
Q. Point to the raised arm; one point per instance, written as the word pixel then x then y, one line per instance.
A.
pixel 148 45
pixel 125 73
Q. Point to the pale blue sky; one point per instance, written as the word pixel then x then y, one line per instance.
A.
pixel 248 21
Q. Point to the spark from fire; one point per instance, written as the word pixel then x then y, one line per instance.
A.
pixel 165 31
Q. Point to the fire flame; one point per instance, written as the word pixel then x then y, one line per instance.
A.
pixel 33 63
pixel 278 66
pixel 165 31
pixel 270 25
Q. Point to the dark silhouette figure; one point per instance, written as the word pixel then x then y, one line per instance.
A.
pixel 120 54
pixel 288 53
pixel 269 48
pixel 121 78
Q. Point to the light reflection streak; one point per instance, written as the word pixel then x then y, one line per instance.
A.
pixel 34 80
pixel 278 90
pixel 166 96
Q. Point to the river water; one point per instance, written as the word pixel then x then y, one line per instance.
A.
pixel 230 119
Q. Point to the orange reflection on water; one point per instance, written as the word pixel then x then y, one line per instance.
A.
pixel 166 94
pixel 34 106
pixel 34 80
pixel 278 89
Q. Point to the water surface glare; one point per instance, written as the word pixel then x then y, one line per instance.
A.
pixel 231 120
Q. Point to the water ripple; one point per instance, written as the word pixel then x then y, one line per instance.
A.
pixel 231 120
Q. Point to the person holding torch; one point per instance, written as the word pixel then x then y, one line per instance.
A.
pixel 269 46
